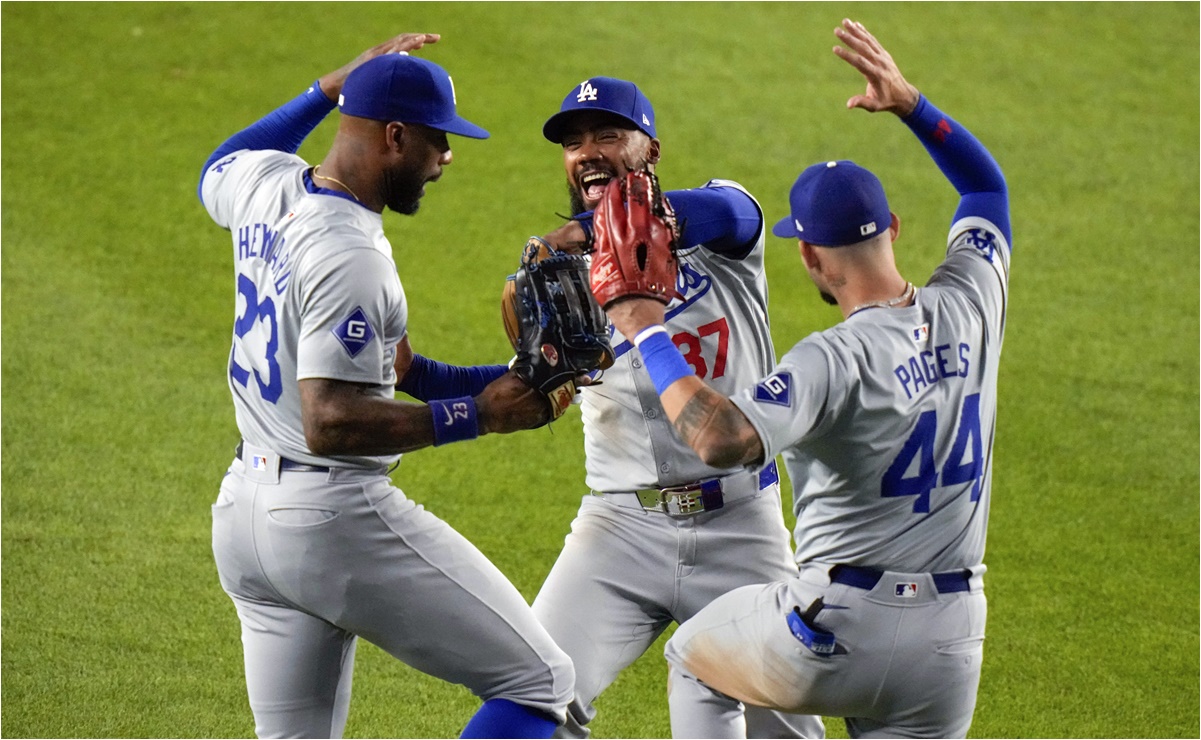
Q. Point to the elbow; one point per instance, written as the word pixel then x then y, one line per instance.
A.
pixel 725 450
pixel 326 431
pixel 319 438
pixel 719 455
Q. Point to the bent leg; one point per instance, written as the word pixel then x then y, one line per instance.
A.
pixel 298 671
pixel 439 605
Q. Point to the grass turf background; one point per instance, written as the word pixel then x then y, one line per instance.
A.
pixel 117 302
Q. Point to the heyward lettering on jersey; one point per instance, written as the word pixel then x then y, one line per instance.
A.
pixel 354 332
pixel 776 389
pixel 261 242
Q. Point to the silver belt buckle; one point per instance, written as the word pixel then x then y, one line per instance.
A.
pixel 684 502
pixel 652 500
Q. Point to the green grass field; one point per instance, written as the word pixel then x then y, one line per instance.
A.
pixel 117 305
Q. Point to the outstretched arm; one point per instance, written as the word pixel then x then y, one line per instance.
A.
pixel 285 128
pixel 962 158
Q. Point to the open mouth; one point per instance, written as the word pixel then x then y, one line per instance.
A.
pixel 592 184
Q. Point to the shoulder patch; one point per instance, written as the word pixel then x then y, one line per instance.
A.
pixel 354 332
pixel 775 389
pixel 984 242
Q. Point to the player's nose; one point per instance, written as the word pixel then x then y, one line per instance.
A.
pixel 446 157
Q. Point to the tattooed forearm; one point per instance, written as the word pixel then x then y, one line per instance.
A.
pixel 713 426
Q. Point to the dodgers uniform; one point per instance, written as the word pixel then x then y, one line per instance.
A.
pixel 641 556
pixel 885 423
pixel 314 550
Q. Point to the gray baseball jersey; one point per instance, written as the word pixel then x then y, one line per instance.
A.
pixel 628 573
pixel 314 551
pixel 721 328
pixel 886 424
pixel 887 419
pixel 318 297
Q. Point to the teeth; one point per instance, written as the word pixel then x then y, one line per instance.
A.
pixel 592 177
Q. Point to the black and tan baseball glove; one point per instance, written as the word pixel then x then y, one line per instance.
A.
pixel 555 326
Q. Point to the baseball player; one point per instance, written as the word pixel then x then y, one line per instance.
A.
pixel 313 543
pixel 886 425
pixel 662 533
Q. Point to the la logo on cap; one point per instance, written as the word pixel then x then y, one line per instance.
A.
pixel 587 92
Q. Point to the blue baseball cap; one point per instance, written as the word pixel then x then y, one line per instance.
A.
pixel 398 87
pixel 835 204
pixel 609 94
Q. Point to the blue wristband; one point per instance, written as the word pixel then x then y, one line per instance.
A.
pixel 454 420
pixel 663 361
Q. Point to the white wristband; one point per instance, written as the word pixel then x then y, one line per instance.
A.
pixel 648 332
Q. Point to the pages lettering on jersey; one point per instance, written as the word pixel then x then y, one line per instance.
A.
pixel 931 366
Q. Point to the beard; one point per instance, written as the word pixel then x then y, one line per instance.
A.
pixel 402 191
pixel 577 200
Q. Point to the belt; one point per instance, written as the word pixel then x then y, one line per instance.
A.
pixel 866 578
pixel 286 464
pixel 694 498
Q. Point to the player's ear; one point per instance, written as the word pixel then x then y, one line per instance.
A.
pixel 652 155
pixel 808 255
pixel 894 228
pixel 395 134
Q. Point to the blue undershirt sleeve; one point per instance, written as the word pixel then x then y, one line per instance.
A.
pixel 430 380
pixel 283 129
pixel 724 219
pixel 965 162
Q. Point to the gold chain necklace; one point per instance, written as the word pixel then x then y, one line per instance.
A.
pixel 890 303
pixel 331 179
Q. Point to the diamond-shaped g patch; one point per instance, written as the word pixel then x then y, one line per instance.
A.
pixel 354 332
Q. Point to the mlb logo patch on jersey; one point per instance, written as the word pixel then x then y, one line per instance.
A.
pixel 921 334
pixel 258 462
pixel 906 591
pixel 776 389
pixel 354 332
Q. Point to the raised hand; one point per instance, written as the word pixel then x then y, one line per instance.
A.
pixel 887 89
pixel 331 84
